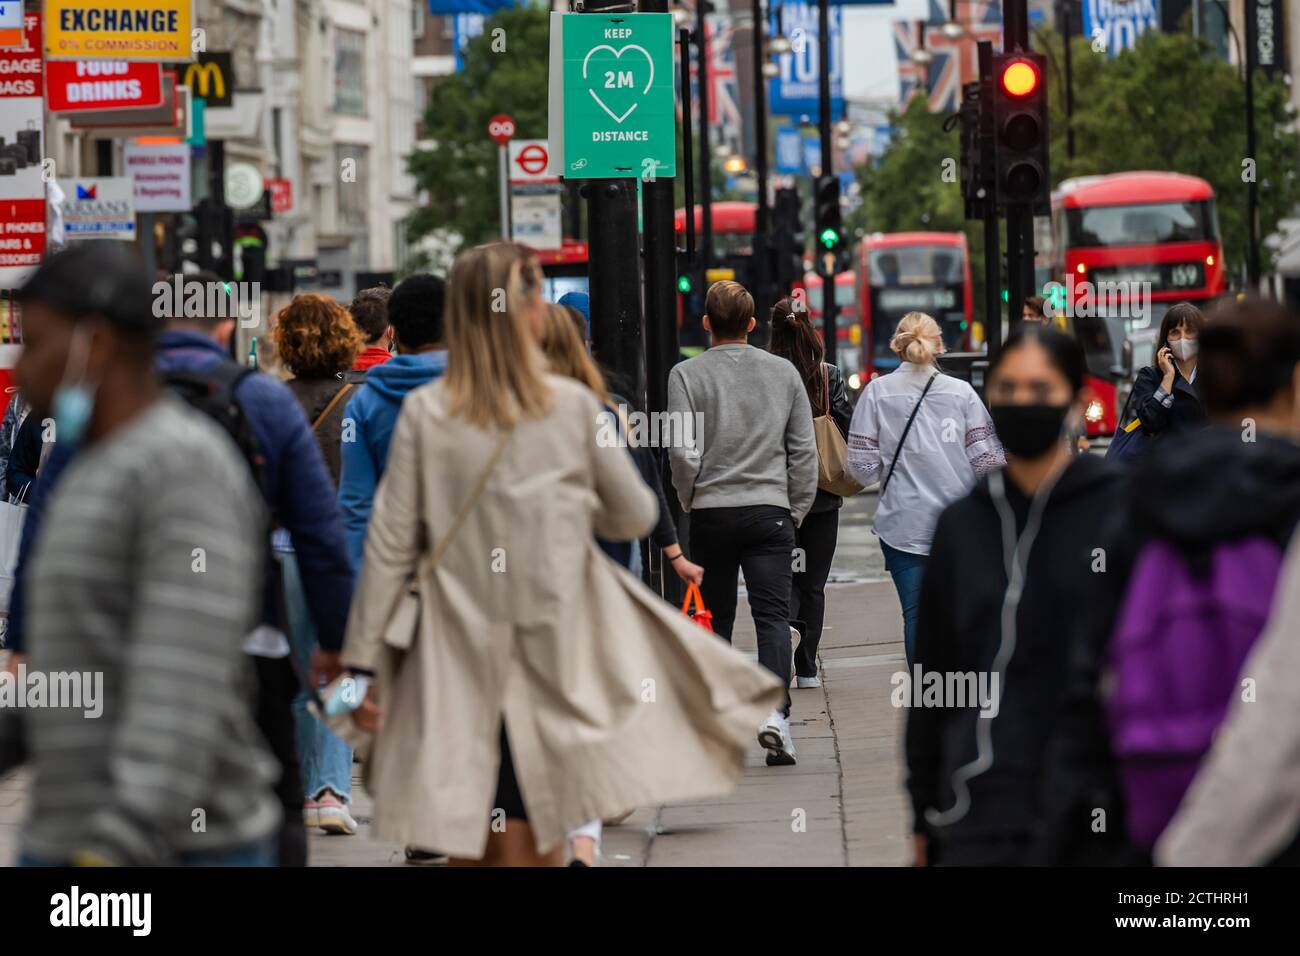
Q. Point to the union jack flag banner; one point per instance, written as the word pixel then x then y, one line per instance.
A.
pixel 724 91
pixel 953 62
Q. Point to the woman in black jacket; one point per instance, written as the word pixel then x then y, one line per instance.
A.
pixel 793 338
pixel 1165 398
pixel 1011 566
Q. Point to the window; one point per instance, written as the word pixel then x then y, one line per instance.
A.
pixel 1142 223
pixel 352 192
pixel 350 72
pixel 417 19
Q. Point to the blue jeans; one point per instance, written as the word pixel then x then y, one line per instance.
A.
pixel 326 761
pixel 906 569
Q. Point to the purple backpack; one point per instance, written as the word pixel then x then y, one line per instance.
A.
pixel 1174 663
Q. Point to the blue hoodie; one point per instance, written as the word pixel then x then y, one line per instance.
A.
pixel 373 412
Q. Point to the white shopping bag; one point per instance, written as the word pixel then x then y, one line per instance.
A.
pixel 12 517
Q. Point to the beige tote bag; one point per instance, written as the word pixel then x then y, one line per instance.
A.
pixel 832 451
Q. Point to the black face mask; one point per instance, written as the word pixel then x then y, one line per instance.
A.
pixel 1028 431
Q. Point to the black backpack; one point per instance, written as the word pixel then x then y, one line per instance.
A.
pixel 213 393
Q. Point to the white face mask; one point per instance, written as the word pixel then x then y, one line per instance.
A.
pixel 1185 348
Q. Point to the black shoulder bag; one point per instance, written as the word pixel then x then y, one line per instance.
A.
pixel 903 437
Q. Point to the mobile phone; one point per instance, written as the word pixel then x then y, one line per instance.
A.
pixel 346 694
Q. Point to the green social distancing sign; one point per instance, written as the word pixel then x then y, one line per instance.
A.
pixel 612 101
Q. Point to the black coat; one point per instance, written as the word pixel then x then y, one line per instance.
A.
pixel 1202 490
pixel 1186 414
pixel 24 457
pixel 841 410
pixel 960 631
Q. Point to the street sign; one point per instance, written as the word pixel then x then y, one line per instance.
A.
pixel 212 78
pixel 168 114
pixel 793 91
pixel 535 220
pixel 281 195
pixel 22 188
pixel 86 85
pixel 528 161
pixel 501 128
pixel 162 176
pixel 616 105
pixel 101 208
pixel 156 30
pixel 243 185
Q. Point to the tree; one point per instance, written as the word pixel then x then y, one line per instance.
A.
pixel 505 72
pixel 1167 104
pixel 916 185
pixel 1171 104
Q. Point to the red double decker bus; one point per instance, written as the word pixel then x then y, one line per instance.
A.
pixel 897 273
pixel 1125 247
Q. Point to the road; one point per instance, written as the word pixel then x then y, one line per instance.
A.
pixel 841 805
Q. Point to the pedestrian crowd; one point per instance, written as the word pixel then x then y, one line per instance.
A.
pixel 416 551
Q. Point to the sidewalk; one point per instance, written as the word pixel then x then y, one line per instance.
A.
pixel 842 804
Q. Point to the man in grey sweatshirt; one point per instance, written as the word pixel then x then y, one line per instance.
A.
pixel 747 480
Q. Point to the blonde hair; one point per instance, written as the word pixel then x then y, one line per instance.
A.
pixel 495 368
pixel 567 354
pixel 917 339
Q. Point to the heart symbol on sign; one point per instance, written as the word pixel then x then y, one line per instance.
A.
pixel 618 54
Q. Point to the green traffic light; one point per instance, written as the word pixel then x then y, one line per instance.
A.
pixel 683 283
pixel 1006 295
pixel 830 238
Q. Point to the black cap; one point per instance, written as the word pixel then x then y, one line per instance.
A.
pixel 97 277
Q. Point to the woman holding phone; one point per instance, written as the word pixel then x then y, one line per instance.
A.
pixel 1165 398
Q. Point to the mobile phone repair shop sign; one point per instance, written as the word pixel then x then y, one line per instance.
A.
pixel 153 30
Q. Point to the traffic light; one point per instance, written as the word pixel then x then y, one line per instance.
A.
pixel 830 233
pixel 1020 130
pixel 787 224
pixel 684 284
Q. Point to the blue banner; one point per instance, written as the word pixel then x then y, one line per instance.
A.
pixel 1118 25
pixel 789 150
pixel 465 27
pixel 449 7
pixel 793 92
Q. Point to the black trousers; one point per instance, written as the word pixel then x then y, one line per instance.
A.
pixel 758 539
pixel 277 685
pixel 816 538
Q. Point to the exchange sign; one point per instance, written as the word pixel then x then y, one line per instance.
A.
pixel 156 30
pixel 617 112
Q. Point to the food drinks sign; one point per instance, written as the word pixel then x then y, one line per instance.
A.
pixel 612 105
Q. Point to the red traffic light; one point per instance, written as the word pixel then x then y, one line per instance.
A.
pixel 1019 78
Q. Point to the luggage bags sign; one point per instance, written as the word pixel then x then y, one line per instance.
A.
pixel 153 30
pixel 22 153
pixel 86 85
pixel 612 107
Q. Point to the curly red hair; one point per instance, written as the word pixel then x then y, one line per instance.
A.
pixel 316 337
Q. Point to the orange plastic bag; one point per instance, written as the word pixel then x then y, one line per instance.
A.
pixel 701 615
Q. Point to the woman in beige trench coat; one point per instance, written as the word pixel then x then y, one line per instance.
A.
pixel 610 699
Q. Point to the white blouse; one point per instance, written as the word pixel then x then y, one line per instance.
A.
pixel 951 444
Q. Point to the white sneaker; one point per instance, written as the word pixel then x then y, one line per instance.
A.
pixel 804 683
pixel 333 817
pixel 774 736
